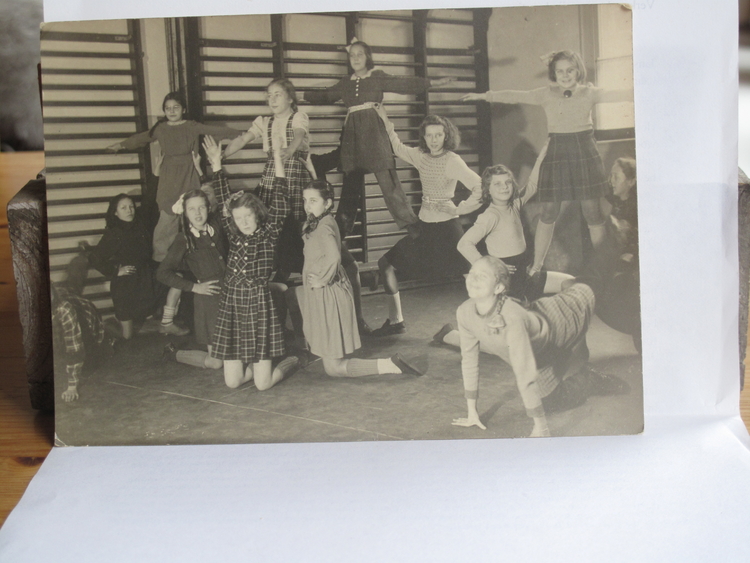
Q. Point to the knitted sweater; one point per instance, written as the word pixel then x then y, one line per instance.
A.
pixel 439 175
pixel 564 115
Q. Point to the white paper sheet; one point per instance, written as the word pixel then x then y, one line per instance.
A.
pixel 679 492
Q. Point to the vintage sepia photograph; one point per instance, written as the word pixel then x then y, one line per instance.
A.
pixel 343 226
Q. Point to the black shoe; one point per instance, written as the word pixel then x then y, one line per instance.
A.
pixel 389 329
pixel 605 384
pixel 364 328
pixel 437 338
pixel 169 354
pixel 411 367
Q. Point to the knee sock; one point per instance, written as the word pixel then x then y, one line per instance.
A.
pixel 195 358
pixel 283 368
pixel 542 242
pixel 597 232
pixel 168 316
pixel 356 367
pixel 394 308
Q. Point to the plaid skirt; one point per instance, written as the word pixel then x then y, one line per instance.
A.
pixel 247 326
pixel 297 178
pixel 572 169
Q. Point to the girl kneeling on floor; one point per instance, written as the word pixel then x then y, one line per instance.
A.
pixel 325 303
pixel 202 247
pixel 247 331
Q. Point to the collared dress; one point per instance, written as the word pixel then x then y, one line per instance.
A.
pixel 177 174
pixel 207 261
pixel 329 318
pixel 247 325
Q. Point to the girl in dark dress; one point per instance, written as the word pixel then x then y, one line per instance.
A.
pixel 123 256
pixel 365 146
pixel 202 248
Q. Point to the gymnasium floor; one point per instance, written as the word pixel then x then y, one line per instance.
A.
pixel 137 398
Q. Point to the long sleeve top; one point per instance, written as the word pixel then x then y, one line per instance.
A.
pixel 71 317
pixel 364 143
pixel 178 143
pixel 251 257
pixel 521 335
pixel 322 252
pixel 501 229
pixel 564 115
pixel 206 262
pixel 439 176
pixel 125 244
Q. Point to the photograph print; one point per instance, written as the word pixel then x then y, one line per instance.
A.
pixel 354 226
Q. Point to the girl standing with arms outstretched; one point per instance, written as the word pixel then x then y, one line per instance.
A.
pixel 123 255
pixel 569 166
pixel 178 138
pixel 286 131
pixel 202 247
pixel 364 143
pixel 178 173
pixel 248 333
pixel 433 254
pixel 325 299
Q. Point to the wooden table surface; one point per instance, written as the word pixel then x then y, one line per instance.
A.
pixel 26 435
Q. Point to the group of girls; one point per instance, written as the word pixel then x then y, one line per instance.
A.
pixel 242 328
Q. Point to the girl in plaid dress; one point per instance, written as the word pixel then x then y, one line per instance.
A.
pixel 569 167
pixel 288 132
pixel 248 334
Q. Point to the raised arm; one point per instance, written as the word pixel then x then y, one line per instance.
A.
pixel 407 154
pixel 219 182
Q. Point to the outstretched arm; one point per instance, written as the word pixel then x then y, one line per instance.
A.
pixel 237 143
pixel 133 142
pixel 533 97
